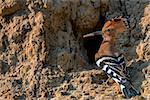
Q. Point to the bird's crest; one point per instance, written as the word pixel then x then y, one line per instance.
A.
pixel 117 24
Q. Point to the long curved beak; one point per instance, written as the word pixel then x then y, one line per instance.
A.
pixel 93 34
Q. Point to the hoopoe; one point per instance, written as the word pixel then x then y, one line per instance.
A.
pixel 110 59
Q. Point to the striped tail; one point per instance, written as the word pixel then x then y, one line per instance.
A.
pixel 128 90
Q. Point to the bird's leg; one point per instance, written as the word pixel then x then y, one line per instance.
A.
pixel 117 88
pixel 106 82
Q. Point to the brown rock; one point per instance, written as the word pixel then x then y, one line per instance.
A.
pixel 8 7
pixel 42 54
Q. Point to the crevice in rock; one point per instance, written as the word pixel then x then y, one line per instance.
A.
pixel 1 26
pixel 92 45
pixel 5 42
pixel 123 8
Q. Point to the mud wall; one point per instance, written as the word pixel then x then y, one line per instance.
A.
pixel 42 51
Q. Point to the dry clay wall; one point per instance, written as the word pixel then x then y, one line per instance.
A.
pixel 42 53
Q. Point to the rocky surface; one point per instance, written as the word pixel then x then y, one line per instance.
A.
pixel 42 53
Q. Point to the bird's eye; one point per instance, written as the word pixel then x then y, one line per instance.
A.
pixel 109 30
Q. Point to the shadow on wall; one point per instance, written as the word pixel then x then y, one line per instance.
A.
pixel 138 71
pixel 4 67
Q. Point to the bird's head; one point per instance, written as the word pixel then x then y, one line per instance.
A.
pixel 112 29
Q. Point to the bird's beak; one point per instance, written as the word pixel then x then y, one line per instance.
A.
pixel 93 34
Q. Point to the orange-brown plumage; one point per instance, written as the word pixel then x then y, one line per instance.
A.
pixel 111 32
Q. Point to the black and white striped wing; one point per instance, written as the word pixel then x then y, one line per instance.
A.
pixel 114 67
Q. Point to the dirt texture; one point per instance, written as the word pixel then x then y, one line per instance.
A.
pixel 42 53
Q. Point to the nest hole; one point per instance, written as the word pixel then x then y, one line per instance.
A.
pixel 92 45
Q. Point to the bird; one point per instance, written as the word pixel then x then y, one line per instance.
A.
pixel 110 59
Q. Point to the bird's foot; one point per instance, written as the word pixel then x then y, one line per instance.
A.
pixel 106 82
